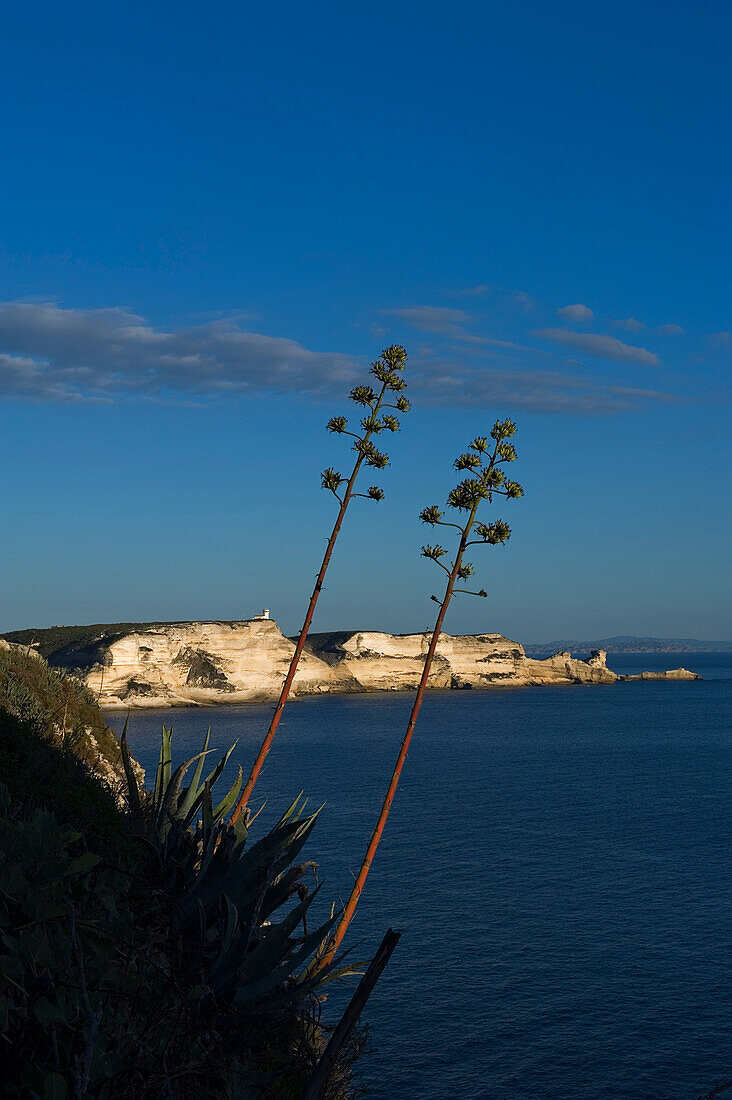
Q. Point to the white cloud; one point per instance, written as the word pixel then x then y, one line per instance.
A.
pixel 446 382
pixel 474 291
pixel 577 312
pixel 506 294
pixel 451 323
pixel 56 353
pixel 630 324
pixel 52 354
pixel 603 347
pixel 670 330
pixel 437 319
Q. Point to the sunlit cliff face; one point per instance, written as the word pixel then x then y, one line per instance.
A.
pixel 204 663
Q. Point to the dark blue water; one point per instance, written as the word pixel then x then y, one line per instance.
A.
pixel 558 861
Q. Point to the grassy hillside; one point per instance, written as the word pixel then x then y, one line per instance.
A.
pixel 56 709
pixel 56 751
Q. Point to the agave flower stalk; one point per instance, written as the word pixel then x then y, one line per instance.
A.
pixel 482 462
pixel 387 371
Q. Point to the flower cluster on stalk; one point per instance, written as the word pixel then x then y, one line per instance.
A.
pixel 482 462
pixel 387 371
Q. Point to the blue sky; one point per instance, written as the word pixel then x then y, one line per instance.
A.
pixel 213 218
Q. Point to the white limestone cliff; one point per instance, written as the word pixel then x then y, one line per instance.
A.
pixel 199 663
pixel 194 664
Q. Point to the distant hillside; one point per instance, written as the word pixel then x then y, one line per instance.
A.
pixel 627 643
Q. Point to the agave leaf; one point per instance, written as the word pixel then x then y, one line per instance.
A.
pixel 224 970
pixel 271 978
pixel 232 919
pixel 226 803
pixel 234 944
pixel 207 886
pixel 201 925
pixel 283 888
pixel 296 845
pixel 349 970
pixel 194 806
pixel 315 965
pixel 307 982
pixel 264 861
pixel 333 969
pixel 241 833
pixel 265 852
pixel 206 814
pixel 211 779
pixel 169 802
pixel 275 942
pixel 133 791
pixel 195 787
pixel 215 774
pixel 162 776
pixel 290 810
pixel 287 838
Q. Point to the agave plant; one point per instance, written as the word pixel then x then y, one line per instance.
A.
pixel 483 463
pixel 229 895
pixel 387 370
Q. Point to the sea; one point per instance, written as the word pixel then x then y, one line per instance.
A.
pixel 558 862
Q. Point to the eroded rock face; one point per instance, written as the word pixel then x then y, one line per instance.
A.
pixel 563 668
pixel 200 663
pixel 394 662
pixel 189 664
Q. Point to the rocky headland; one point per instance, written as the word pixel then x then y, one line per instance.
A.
pixel 205 663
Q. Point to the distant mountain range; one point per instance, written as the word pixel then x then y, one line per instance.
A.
pixel 627 643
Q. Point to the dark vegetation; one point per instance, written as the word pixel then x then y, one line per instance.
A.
pixel 52 741
pixel 55 744
pixel 154 952
pixel 76 646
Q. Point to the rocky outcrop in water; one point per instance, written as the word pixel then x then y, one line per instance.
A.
pixel 670 674
pixel 190 664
